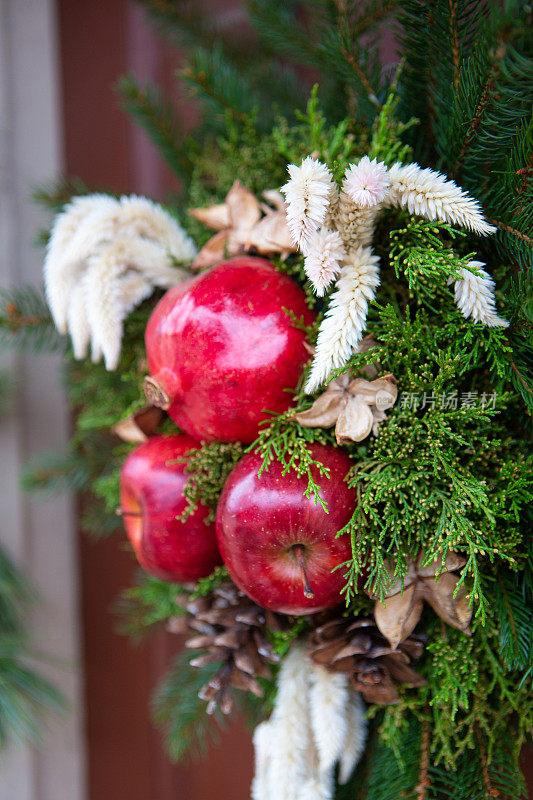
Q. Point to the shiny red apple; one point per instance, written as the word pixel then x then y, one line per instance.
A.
pixel 280 547
pixel 223 351
pixel 151 499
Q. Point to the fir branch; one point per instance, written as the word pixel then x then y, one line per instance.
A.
pixel 423 776
pixel 148 603
pixel 509 229
pixel 222 88
pixel 155 115
pixel 25 321
pixel 24 695
pixel 53 473
pixel 180 713
pixel 55 195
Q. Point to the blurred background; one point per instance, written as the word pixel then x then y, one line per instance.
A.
pixel 59 115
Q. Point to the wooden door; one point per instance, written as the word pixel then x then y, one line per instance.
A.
pixel 99 41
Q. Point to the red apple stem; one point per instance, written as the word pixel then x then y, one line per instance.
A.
pixel 300 558
pixel 121 512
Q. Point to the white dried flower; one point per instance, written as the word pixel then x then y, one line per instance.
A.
pixel 345 321
pixel 367 183
pixel 432 195
pixel 356 738
pixel 323 260
pixel 356 225
pixel 105 256
pixel 328 700
pixel 474 295
pixel 308 194
pixel 317 721
pixel 262 739
pixel 291 734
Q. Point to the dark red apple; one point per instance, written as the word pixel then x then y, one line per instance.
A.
pixel 151 497
pixel 222 351
pixel 278 545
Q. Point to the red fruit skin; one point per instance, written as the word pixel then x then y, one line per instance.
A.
pixel 149 484
pixel 260 519
pixel 224 350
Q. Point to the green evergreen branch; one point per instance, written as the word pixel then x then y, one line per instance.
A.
pixel 55 195
pixel 219 84
pixel 150 602
pixel 208 468
pixel 25 321
pixel 180 713
pixel 24 695
pixel 288 444
pixel 155 115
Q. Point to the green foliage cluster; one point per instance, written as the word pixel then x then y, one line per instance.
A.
pixel 147 603
pixel 451 468
pixel 208 469
pixel 24 694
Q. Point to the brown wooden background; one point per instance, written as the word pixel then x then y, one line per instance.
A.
pixel 99 40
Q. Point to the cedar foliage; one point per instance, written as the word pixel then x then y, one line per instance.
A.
pixel 452 466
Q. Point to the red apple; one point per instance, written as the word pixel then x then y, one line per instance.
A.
pixel 278 545
pixel 223 351
pixel 151 498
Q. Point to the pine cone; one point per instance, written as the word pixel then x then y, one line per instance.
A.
pixel 359 649
pixel 231 629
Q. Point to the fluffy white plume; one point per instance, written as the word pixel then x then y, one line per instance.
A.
pixel 432 195
pixel 291 753
pixel 77 322
pixel 323 260
pixel 104 257
pixel 329 697
pixel 317 721
pixel 308 194
pixel 356 738
pixel 319 787
pixel 366 183
pixel 474 295
pixel 345 321
pixel 61 270
pixel 261 788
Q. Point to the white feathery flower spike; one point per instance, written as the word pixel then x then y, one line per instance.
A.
pixel 474 296
pixel 291 735
pixel 262 740
pixel 328 698
pixel 308 194
pixel 324 220
pixel 317 720
pixel 356 738
pixel 367 183
pixel 105 256
pixel 59 281
pixel 430 194
pixel 323 260
pixel 344 323
pixel 320 787
pixel 356 225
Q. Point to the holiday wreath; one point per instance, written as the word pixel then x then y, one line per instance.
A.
pixel 308 389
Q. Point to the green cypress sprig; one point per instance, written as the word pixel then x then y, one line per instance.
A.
pixel 285 441
pixel 208 468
